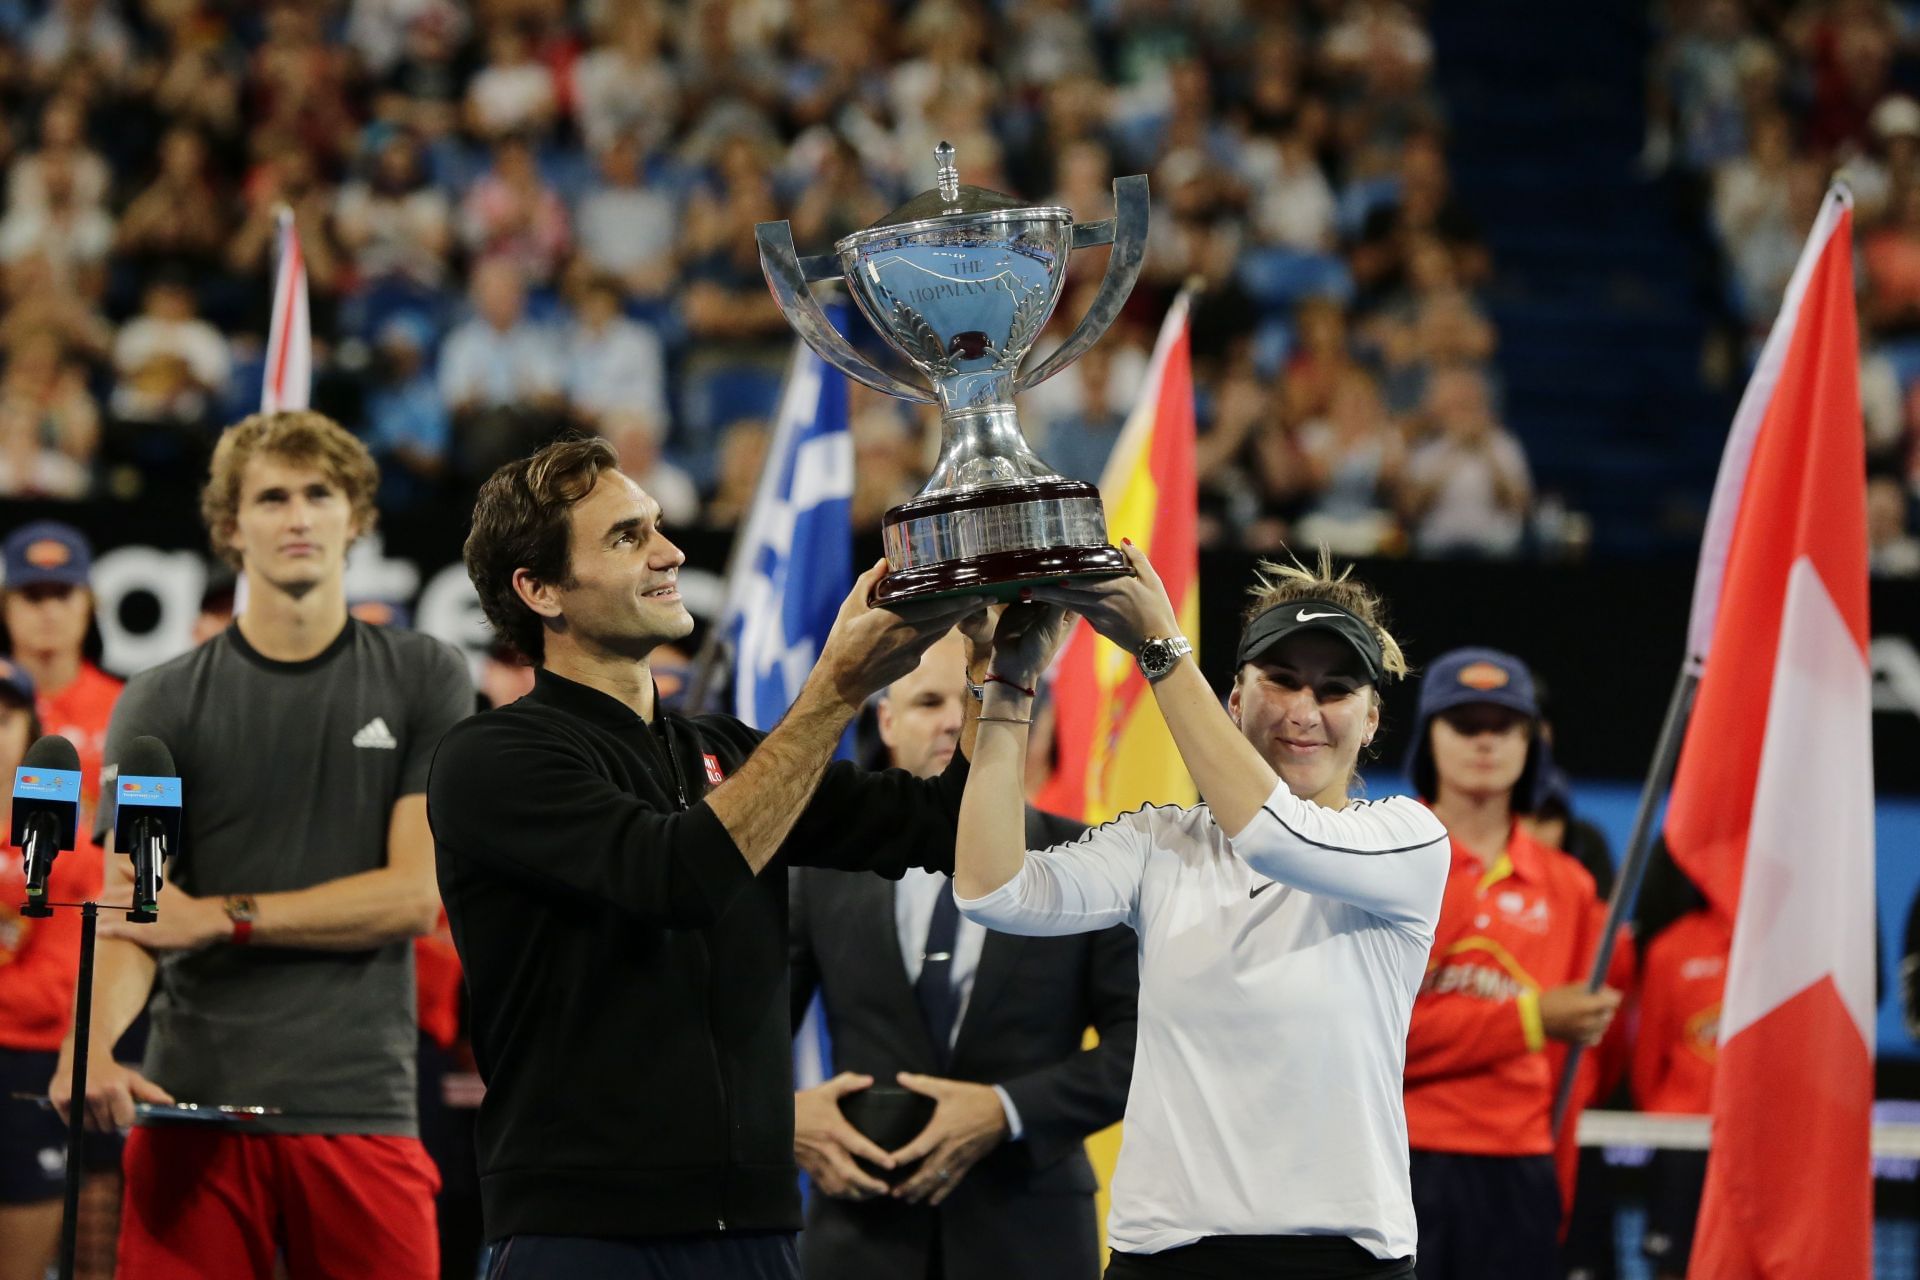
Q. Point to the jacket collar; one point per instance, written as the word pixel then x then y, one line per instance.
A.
pixel 587 702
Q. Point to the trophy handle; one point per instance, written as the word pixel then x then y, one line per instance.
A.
pixel 787 276
pixel 1127 232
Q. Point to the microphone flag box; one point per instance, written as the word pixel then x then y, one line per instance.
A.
pixel 153 798
pixel 49 791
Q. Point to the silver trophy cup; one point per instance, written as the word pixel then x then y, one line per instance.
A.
pixel 960 281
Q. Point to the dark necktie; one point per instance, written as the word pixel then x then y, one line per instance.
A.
pixel 934 989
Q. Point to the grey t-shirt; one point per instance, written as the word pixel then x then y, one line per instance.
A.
pixel 289 773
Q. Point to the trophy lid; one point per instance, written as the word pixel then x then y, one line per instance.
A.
pixel 950 199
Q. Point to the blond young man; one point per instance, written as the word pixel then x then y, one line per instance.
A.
pixel 281 967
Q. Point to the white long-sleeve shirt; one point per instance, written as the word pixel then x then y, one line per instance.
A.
pixel 1277 974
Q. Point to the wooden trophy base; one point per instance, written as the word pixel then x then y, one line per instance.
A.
pixel 1027 511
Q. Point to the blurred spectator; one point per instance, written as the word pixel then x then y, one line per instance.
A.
pixel 500 376
pixel 743 451
pixel 1468 489
pixel 626 88
pixel 1697 83
pixel 1354 458
pixel 505 675
pixel 198 75
pixel 52 392
pixel 287 176
pixel 514 91
pixel 1892 259
pixel 377 29
pixel 1892 550
pixel 627 227
pixel 1750 191
pixel 179 218
pixel 394 224
pixel 511 213
pixel 408 431
pixel 637 437
pixel 838 199
pixel 29 467
pixel 63 141
pixel 298 89
pixel 72 237
pixel 1076 415
pixel 885 470
pixel 36 304
pixel 1894 161
pixel 613 362
pixel 72 29
pixel 726 296
pixel 424 89
pixel 168 363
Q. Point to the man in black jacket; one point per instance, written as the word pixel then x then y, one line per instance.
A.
pixel 600 861
pixel 996 1185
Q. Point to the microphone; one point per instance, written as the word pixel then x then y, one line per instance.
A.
pixel 46 810
pixel 146 819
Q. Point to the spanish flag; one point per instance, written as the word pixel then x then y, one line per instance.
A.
pixel 1114 751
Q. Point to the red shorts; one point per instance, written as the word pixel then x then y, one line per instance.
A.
pixel 205 1205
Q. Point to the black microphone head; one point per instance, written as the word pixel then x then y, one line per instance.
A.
pixel 52 752
pixel 146 757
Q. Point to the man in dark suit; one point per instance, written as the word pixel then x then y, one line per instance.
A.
pixel 987 1025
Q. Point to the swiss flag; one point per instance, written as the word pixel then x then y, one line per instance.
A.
pixel 1772 806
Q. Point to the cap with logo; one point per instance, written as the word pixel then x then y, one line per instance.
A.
pixel 1268 629
pixel 46 551
pixel 1472 677
pixel 15 682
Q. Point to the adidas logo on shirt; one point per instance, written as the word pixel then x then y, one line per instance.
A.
pixel 376 734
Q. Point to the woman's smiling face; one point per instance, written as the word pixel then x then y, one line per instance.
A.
pixel 1309 706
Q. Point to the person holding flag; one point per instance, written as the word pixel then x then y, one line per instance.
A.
pixel 1518 924
pixel 1283 928
pixel 613 874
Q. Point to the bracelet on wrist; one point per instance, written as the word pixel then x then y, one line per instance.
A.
pixel 1004 719
pixel 993 678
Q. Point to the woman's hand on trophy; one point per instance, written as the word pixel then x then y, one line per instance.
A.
pixel 1128 610
pixel 1025 639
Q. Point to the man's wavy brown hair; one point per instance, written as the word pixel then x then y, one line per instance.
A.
pixel 522 520
pixel 298 436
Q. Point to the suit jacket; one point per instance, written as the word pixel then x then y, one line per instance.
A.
pixel 1026 1209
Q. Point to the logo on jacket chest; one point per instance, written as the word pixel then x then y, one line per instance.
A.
pixel 1516 907
pixel 715 776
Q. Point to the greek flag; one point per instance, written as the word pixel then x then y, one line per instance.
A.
pixel 791 568
pixel 793 564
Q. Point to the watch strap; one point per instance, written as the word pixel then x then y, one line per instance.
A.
pixel 240 910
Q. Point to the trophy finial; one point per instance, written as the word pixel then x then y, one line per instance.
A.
pixel 949 175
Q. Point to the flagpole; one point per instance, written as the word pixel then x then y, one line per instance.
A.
pixel 1633 870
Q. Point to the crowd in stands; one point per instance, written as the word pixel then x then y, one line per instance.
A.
pixel 1755 105
pixel 523 215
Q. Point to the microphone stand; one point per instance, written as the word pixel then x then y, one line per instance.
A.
pixel 82 1049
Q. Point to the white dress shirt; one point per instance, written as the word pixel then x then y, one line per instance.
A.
pixel 913 902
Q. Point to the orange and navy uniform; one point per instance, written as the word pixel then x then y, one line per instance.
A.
pixel 40 959
pixel 1683 982
pixel 1480 1075
pixel 79 713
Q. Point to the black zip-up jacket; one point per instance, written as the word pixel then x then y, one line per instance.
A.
pixel 627 971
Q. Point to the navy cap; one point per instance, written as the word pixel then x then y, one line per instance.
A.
pixel 15 681
pixel 1464 677
pixel 1474 677
pixel 47 551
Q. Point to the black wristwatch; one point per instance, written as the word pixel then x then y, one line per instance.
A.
pixel 1158 656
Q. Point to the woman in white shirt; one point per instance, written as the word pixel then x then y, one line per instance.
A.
pixel 1283 929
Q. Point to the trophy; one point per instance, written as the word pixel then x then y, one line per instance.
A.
pixel 960 281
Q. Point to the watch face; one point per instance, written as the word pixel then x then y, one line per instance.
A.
pixel 1154 657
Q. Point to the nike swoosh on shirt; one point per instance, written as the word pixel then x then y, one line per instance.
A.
pixel 1254 893
pixel 1304 616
